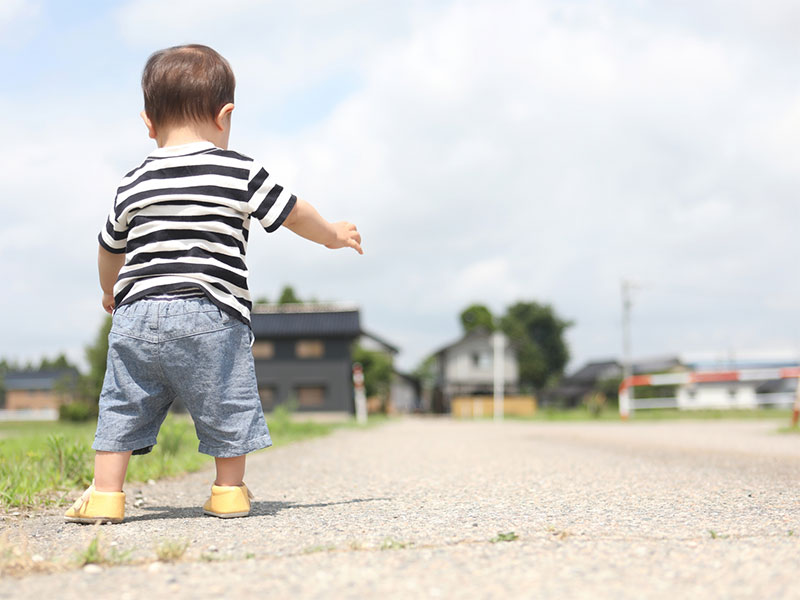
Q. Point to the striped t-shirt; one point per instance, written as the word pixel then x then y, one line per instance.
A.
pixel 182 219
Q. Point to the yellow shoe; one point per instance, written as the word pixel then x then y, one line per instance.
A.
pixel 228 501
pixel 97 507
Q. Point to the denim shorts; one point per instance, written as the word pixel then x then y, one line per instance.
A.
pixel 188 349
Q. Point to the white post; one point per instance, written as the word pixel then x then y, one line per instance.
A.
pixel 626 396
pixel 499 364
pixel 361 395
pixel 624 403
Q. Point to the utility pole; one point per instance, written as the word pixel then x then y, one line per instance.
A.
pixel 626 392
pixel 499 368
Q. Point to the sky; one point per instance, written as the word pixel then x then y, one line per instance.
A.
pixel 489 152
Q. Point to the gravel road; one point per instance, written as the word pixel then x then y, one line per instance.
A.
pixel 414 508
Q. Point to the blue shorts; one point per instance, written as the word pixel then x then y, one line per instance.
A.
pixel 163 350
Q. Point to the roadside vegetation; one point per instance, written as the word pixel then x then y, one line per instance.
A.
pixel 584 413
pixel 42 463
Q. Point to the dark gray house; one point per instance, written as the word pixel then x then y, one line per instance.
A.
pixel 302 353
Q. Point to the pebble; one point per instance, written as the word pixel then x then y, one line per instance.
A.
pixel 154 567
pixel 93 568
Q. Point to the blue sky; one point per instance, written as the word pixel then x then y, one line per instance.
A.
pixel 489 151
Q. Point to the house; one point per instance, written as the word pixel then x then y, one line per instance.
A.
pixel 595 375
pixel 405 393
pixel 687 385
pixel 39 390
pixel 725 385
pixel 466 368
pixel 302 355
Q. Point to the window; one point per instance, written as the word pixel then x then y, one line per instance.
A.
pixel 311 395
pixel 482 359
pixel 263 350
pixel 267 394
pixel 309 349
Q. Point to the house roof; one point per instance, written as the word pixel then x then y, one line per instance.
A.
pixel 36 380
pixel 300 320
pixel 478 332
pixel 380 341
pixel 594 371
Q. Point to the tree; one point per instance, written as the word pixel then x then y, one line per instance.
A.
pixel 538 334
pixel 378 371
pixel 288 296
pixel 59 362
pixel 475 316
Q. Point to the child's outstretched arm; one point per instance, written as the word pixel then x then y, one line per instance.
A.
pixel 109 265
pixel 305 221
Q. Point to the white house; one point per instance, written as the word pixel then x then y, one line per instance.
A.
pixel 466 368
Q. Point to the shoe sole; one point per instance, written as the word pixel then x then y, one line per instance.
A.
pixel 92 520
pixel 226 515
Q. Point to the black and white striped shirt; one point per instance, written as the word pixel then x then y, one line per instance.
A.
pixel 182 219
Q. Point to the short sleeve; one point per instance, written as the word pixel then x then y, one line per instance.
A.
pixel 114 236
pixel 269 202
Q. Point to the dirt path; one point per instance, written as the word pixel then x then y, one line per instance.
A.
pixel 421 508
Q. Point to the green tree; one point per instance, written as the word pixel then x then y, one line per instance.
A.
pixel 59 362
pixel 475 316
pixel 378 371
pixel 92 382
pixel 538 335
pixel 288 296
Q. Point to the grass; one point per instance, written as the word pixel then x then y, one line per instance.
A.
pixel 171 550
pixel 508 536
pixel 41 462
pixel 655 414
pixel 96 553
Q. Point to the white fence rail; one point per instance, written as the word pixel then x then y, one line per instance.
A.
pixel 784 399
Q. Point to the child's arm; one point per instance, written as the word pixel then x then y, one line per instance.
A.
pixel 305 221
pixel 109 265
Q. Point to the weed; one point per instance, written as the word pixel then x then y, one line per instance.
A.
pixel 92 555
pixel 171 550
pixel 790 533
pixel 509 536
pixel 714 535
pixel 96 553
pixel 318 548
pixel 206 557
pixel 16 561
pixel 392 544
pixel 250 555
pixel 356 545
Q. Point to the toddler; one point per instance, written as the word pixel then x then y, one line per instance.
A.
pixel 173 274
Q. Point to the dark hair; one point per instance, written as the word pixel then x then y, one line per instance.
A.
pixel 186 83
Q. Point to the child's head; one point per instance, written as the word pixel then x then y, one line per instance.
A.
pixel 186 84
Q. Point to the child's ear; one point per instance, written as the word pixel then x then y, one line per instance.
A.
pixel 223 115
pixel 150 129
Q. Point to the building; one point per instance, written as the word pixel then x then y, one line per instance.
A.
pixel 721 387
pixel 302 355
pixel 600 374
pixel 39 390
pixel 466 368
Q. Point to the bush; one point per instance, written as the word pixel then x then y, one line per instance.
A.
pixel 76 412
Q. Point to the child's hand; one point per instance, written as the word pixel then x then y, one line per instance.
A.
pixel 108 302
pixel 347 236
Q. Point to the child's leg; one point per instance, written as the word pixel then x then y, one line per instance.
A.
pixel 109 470
pixel 230 471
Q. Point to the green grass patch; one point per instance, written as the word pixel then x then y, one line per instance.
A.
pixel 655 414
pixel 41 462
